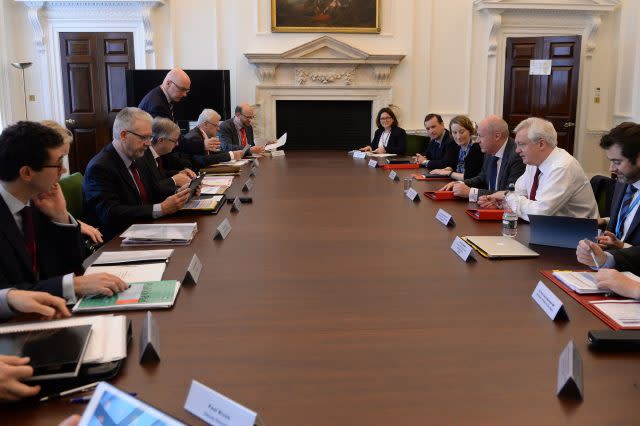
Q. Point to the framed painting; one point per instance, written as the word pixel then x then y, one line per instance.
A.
pixel 325 16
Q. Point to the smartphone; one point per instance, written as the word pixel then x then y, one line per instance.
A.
pixel 612 340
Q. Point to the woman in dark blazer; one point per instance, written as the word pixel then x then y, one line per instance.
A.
pixel 468 154
pixel 388 138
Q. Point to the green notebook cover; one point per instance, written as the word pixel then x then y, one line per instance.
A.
pixel 141 295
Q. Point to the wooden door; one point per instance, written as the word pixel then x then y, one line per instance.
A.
pixel 93 80
pixel 553 97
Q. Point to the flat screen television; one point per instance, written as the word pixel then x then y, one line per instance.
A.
pixel 209 89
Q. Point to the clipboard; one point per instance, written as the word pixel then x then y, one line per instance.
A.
pixel 485 214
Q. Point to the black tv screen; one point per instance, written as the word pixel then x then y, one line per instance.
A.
pixel 209 89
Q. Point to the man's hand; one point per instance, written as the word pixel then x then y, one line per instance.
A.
pixel 212 144
pixel 237 155
pixel 448 187
pixel 91 232
pixel 380 150
pixel 420 159
pixel 175 202
pixel 38 302
pixel 618 283
pixel 257 149
pixel 12 370
pixel 100 283
pixel 188 172
pixel 608 240
pixel 460 190
pixel 272 141
pixel 365 149
pixel 440 172
pixel 52 204
pixel 583 253
pixel 181 179
pixel 492 201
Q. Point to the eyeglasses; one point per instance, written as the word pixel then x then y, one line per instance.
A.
pixel 180 88
pixel 386 118
pixel 59 166
pixel 248 117
pixel 217 125
pixel 142 138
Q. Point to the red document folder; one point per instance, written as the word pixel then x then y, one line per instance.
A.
pixel 432 177
pixel 485 214
pixel 400 166
pixel 441 195
pixel 584 300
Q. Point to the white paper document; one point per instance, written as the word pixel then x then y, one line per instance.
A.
pixel 131 256
pixel 280 142
pixel 584 282
pixel 161 233
pixel 236 162
pixel 211 190
pixel 625 313
pixel 373 154
pixel 217 181
pixel 132 273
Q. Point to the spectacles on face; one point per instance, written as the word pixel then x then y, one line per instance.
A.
pixel 387 118
pixel 248 117
pixel 146 138
pixel 59 166
pixel 216 125
pixel 180 88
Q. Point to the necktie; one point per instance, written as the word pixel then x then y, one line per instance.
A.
pixel 141 189
pixel 534 185
pixel 171 111
pixel 160 164
pixel 29 236
pixel 493 172
pixel 244 136
pixel 624 209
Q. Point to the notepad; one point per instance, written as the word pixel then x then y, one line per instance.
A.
pixel 209 204
pixel 584 282
pixel 55 353
pixel 132 256
pixel 142 295
pixel 159 234
pixel 133 272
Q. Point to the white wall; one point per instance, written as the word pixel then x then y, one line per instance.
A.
pixel 445 69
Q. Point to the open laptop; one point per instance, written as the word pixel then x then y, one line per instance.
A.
pixel 560 231
pixel 499 247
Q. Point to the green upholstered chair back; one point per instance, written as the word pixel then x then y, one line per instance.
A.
pixel 416 143
pixel 72 189
pixel 603 187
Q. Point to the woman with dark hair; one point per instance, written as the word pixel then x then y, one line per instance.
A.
pixel 468 154
pixel 389 138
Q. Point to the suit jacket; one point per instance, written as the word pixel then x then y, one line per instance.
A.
pixel 156 104
pixel 192 144
pixel 112 201
pixel 442 155
pixel 59 251
pixel 627 259
pixel 511 169
pixel 229 136
pixel 633 233
pixel 162 178
pixel 397 143
pixel 472 162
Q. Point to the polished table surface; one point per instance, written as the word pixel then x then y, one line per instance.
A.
pixel 335 300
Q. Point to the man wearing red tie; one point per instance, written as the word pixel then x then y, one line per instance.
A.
pixel 237 132
pixel 120 191
pixel 553 183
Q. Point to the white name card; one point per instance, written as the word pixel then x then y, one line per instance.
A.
pixel 235 206
pixel 359 154
pixel 277 153
pixel 570 373
pixel 256 162
pixel 412 195
pixel 193 270
pixel 394 175
pixel 216 409
pixel 462 249
pixel 549 302
pixel 248 185
pixel 223 230
pixel 445 218
pixel 254 171
pixel 373 163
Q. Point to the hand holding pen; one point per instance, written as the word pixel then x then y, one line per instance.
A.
pixel 590 254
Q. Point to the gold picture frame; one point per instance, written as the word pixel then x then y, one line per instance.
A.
pixel 325 16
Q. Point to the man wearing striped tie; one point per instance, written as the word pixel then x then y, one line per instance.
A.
pixel 553 183
pixel 622 145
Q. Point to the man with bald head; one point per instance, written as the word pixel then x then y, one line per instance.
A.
pixel 502 165
pixel 236 132
pixel 159 101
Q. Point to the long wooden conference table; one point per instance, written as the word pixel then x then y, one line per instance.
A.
pixel 335 300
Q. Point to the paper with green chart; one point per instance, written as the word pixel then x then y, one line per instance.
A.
pixel 140 295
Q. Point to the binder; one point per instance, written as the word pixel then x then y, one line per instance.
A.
pixel 429 176
pixel 441 195
pixel 485 214
pixel 141 295
pixel 400 166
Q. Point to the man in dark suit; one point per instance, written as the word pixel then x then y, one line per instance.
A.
pixel 441 149
pixel 202 145
pixel 159 101
pixel 622 145
pixel 626 259
pixel 118 191
pixel 237 132
pixel 502 165
pixel 40 241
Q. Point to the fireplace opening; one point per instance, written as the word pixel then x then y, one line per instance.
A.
pixel 311 124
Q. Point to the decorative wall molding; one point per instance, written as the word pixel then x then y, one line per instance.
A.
pixel 553 5
pixel 302 75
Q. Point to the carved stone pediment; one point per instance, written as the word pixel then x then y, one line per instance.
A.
pixel 324 60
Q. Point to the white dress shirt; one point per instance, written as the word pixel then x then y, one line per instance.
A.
pixel 563 189
pixel 473 192
pixel 384 139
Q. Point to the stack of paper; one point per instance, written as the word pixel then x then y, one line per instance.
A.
pixel 584 282
pixel 132 273
pixel 236 162
pixel 159 234
pixel 108 340
pixel 626 313
pixel 217 181
pixel 132 256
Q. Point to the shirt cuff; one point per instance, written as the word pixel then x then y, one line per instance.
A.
pixel 68 291
pixel 473 195
pixel 231 156
pixel 5 310
pixel 72 222
pixel 610 262
pixel 157 211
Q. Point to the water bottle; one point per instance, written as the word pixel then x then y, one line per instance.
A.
pixel 510 216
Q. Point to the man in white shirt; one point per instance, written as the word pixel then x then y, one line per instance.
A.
pixel 553 183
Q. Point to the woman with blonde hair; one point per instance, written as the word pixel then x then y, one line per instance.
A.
pixel 468 153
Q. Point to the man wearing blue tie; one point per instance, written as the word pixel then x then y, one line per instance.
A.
pixel 622 145
pixel 501 167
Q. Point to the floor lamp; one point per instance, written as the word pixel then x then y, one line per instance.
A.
pixel 22 66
